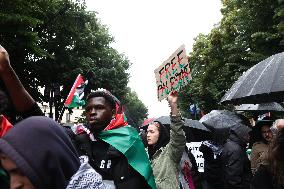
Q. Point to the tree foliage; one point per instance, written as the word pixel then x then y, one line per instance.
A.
pixel 249 32
pixel 134 108
pixel 52 41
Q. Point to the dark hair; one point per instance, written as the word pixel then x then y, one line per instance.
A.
pixel 163 140
pixel 276 158
pixel 256 134
pixel 3 102
pixel 105 94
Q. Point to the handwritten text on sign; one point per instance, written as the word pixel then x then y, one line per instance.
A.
pixel 173 74
pixel 194 148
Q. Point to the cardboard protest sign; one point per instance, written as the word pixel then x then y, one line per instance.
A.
pixel 194 148
pixel 173 74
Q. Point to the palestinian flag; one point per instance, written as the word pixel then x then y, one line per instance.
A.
pixel 75 97
pixel 127 140
pixel 5 126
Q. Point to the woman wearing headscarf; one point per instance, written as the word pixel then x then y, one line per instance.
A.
pixel 165 148
pixel 38 154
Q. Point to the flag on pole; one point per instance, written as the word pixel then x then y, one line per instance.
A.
pixel 75 96
pixel 5 125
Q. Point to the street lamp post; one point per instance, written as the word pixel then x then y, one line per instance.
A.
pixel 52 95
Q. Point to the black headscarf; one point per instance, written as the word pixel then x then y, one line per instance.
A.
pixel 163 140
pixel 42 151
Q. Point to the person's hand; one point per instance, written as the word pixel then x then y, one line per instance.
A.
pixel 4 60
pixel 172 98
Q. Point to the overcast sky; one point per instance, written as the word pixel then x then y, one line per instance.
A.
pixel 149 31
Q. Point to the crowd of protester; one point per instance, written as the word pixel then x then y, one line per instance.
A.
pixel 108 153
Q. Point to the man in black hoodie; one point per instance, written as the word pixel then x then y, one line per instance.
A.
pixel 236 165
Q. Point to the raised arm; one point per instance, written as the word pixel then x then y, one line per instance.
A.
pixel 177 136
pixel 20 97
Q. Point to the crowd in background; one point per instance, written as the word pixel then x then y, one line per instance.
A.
pixel 108 153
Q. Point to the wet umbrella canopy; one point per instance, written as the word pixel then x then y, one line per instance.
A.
pixel 263 107
pixel 195 124
pixel 194 130
pixel 219 123
pixel 148 121
pixel 165 120
pixel 260 84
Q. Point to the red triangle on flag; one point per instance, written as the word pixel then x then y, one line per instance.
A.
pixel 5 126
pixel 79 80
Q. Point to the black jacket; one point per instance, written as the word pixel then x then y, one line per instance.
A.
pixel 109 162
pixel 236 165
pixel 212 167
pixel 263 179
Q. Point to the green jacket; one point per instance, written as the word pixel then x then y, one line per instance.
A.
pixel 165 162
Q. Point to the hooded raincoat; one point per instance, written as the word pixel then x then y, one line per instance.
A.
pixel 44 153
pixel 236 165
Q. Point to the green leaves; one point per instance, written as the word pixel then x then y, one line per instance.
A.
pixel 135 109
pixel 52 41
pixel 249 32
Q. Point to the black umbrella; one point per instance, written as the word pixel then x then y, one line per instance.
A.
pixel 165 120
pixel 263 107
pixel 219 123
pixel 195 125
pixel 194 130
pixel 260 84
